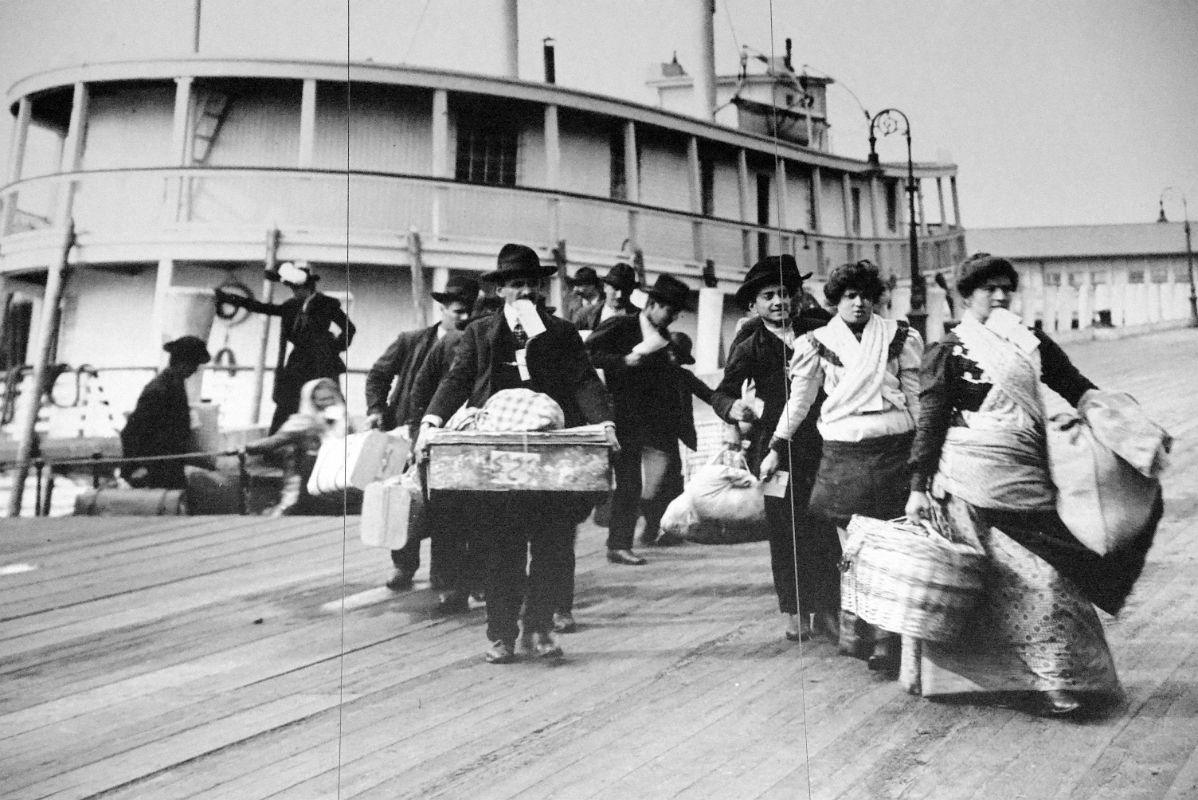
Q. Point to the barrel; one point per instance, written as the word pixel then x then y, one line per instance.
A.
pixel 187 312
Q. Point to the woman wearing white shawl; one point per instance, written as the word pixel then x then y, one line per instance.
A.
pixel 869 368
pixel 980 450
pixel 321 414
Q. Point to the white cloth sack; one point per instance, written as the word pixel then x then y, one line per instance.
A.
pixel 1103 499
pixel 727 494
pixel 680 518
pixel 387 511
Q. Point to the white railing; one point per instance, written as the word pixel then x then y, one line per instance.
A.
pixel 139 202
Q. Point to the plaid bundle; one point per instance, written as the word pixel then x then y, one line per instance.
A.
pixel 520 410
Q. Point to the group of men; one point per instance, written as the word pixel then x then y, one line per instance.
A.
pixel 522 556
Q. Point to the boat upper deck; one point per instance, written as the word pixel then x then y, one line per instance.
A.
pixel 237 657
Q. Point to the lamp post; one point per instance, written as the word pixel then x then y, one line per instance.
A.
pixel 1185 211
pixel 888 121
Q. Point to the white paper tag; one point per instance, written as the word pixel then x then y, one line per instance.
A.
pixel 522 364
pixel 530 320
pixel 638 298
pixel 776 485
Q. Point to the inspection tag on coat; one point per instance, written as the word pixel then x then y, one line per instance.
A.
pixel 776 485
pixel 522 363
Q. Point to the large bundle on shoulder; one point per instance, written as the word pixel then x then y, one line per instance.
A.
pixel 722 504
pixel 1106 460
pixel 516 442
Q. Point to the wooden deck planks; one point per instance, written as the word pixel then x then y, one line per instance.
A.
pixel 133 667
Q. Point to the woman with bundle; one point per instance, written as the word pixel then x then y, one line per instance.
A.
pixel 868 366
pixel 321 414
pixel 759 355
pixel 980 449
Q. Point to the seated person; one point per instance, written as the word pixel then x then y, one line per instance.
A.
pixel 321 414
pixel 160 424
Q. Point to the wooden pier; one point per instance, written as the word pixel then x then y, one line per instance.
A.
pixel 243 659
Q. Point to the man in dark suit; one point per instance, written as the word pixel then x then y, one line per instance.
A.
pixel 389 395
pixel 306 320
pixel 500 352
pixel 621 281
pixel 653 412
pixel 588 295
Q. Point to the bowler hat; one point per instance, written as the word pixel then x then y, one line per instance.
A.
pixel 517 261
pixel 622 276
pixel 297 273
pixel 682 346
pixel 670 291
pixel 770 271
pixel 189 348
pixel 584 277
pixel 459 289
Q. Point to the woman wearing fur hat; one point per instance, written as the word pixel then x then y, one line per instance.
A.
pixel 306 320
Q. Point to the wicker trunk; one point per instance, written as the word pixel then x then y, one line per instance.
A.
pixel 570 460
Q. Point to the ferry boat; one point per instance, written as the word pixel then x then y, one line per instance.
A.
pixel 180 175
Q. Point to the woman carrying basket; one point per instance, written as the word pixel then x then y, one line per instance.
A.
pixel 980 449
pixel 869 368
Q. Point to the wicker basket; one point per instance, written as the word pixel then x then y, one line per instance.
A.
pixel 907 578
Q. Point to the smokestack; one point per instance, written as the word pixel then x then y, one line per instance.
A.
pixel 509 40
pixel 550 65
pixel 705 71
pixel 786 61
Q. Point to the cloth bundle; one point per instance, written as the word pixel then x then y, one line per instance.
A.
pixel 722 504
pixel 1105 462
pixel 511 410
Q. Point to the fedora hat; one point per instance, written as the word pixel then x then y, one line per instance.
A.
pixel 682 345
pixel 517 261
pixel 459 289
pixel 770 271
pixel 189 348
pixel 671 291
pixel 622 276
pixel 585 276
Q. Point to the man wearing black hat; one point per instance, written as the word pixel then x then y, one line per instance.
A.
pixel 522 346
pixel 389 392
pixel 160 424
pixel 653 412
pixel 307 317
pixel 587 289
pixel 621 280
pixel 761 353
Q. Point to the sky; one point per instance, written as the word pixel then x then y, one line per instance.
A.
pixel 1058 112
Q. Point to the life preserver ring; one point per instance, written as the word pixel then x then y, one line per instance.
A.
pixel 231 314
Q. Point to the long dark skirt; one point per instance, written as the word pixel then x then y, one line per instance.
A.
pixel 869 478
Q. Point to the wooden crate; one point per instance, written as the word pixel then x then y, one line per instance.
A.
pixel 570 460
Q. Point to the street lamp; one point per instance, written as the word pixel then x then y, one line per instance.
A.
pixel 888 121
pixel 1185 210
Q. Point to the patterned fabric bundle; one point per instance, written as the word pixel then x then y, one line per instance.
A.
pixel 905 578
pixel 520 410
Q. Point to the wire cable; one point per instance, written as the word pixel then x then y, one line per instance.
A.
pixel 794 534
pixel 345 497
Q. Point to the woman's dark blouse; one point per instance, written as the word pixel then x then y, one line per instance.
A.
pixel 951 382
